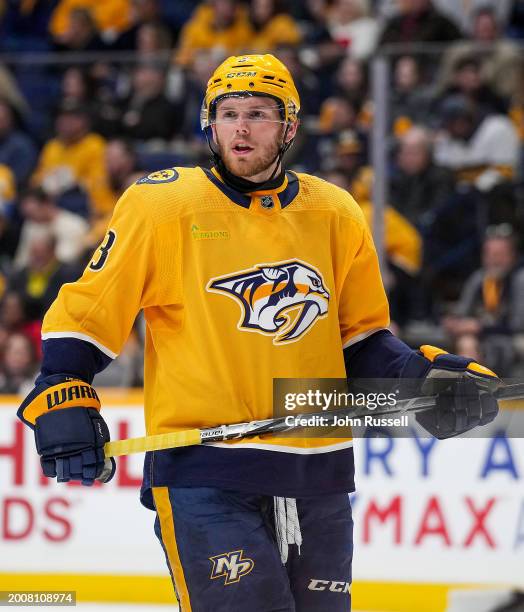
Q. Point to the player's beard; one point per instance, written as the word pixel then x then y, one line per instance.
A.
pixel 246 168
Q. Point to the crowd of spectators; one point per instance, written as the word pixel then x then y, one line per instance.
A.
pixel 94 95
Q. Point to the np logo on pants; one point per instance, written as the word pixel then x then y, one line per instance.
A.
pixel 230 566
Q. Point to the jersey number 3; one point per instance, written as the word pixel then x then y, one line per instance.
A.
pixel 104 249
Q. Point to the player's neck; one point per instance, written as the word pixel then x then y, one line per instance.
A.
pixel 248 185
pixel 266 175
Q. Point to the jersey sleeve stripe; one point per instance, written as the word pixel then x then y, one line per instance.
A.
pixel 361 336
pixel 79 336
pixel 285 449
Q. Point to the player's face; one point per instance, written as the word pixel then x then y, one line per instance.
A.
pixel 249 133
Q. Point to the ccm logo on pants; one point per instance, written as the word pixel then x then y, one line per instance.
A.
pixel 329 585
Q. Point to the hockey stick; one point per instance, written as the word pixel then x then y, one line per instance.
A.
pixel 192 437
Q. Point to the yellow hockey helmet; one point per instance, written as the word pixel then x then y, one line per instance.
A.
pixel 251 75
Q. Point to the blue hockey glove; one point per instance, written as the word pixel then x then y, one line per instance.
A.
pixel 464 391
pixel 444 368
pixel 69 431
pixel 458 409
pixel 70 443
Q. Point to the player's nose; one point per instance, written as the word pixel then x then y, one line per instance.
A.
pixel 242 127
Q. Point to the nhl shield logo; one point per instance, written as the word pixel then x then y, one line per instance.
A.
pixel 267 202
pixel 283 299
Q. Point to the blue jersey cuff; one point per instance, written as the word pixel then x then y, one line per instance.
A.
pixel 72 357
pixel 383 355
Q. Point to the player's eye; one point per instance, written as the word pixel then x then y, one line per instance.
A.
pixel 257 115
pixel 229 116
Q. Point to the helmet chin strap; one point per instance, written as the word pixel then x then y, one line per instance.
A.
pixel 244 185
pixel 214 154
pixel 281 151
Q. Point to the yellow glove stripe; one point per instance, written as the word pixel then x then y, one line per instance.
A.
pixel 70 394
pixel 480 369
pixel 432 352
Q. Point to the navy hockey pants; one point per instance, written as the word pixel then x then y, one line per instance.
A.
pixel 223 556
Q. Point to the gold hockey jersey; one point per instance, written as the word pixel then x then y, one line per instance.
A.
pixel 236 289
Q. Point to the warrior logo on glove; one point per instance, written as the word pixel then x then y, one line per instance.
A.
pixel 270 293
pixel 66 393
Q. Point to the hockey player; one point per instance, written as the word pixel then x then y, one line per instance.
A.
pixel 245 273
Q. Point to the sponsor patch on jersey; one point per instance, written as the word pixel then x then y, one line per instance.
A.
pixel 231 566
pixel 283 299
pixel 216 234
pixel 160 176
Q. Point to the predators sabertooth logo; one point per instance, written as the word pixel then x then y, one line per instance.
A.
pixel 230 566
pixel 282 299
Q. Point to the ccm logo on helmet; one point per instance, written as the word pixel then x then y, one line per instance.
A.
pixel 329 585
pixel 236 75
